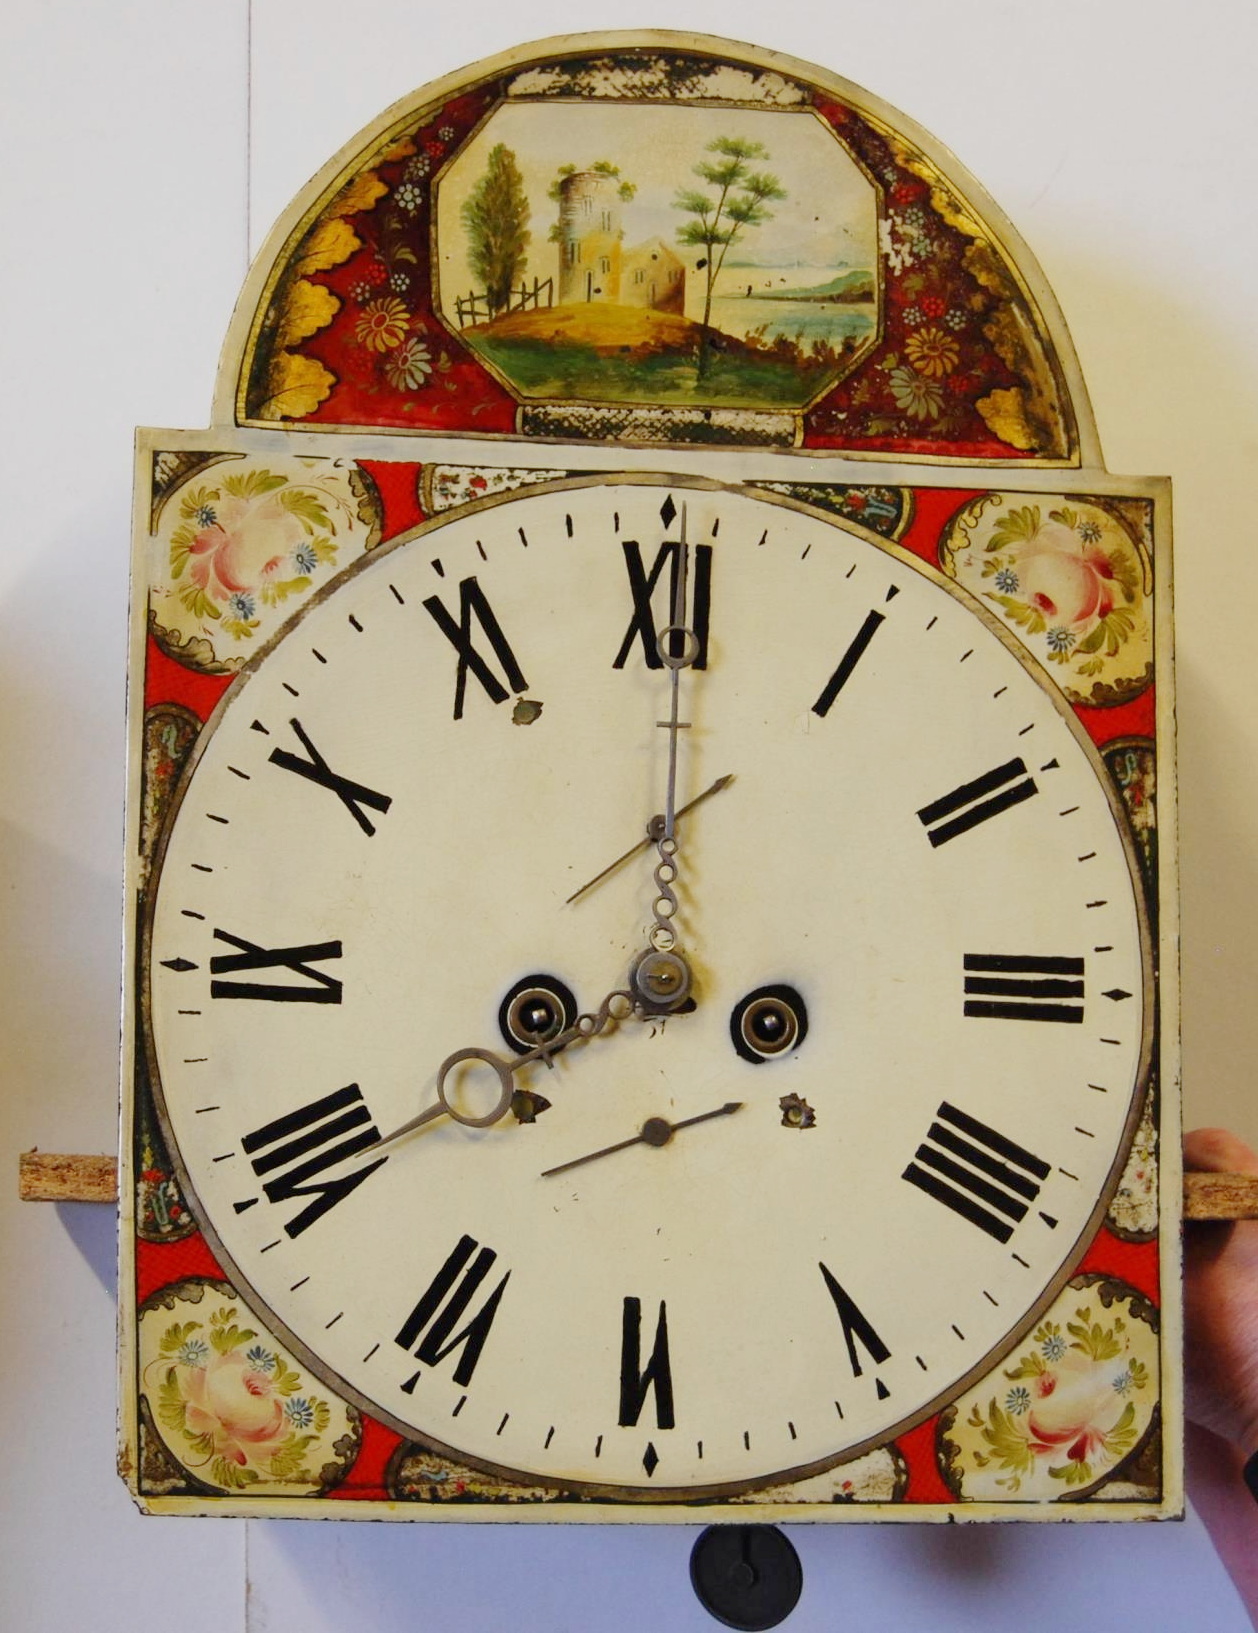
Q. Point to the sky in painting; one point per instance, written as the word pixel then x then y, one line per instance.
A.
pixel 827 222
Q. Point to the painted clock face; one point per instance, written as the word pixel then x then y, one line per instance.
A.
pixel 844 1177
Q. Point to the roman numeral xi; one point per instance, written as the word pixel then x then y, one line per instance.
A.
pixel 980 1174
pixel 473 605
pixel 318 987
pixel 1021 987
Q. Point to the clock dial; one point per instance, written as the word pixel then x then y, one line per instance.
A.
pixel 706 1248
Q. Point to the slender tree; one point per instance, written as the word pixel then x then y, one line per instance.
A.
pixel 496 214
pixel 737 201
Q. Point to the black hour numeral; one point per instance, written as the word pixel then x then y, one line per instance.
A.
pixel 429 1329
pixel 301 1146
pixel 473 604
pixel 354 796
pixel 856 1327
pixel 977 1172
pixel 974 802
pixel 1020 987
pixel 646 623
pixel 635 1380
pixel 839 679
pixel 325 989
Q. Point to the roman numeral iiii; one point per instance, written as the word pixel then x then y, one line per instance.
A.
pixel 980 1174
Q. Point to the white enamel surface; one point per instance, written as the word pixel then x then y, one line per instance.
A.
pixel 812 869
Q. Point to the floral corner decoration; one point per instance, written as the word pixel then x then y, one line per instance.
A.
pixel 1069 579
pixel 236 1413
pixel 1077 1400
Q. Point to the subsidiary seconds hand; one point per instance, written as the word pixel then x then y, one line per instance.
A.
pixel 655 1131
pixel 654 831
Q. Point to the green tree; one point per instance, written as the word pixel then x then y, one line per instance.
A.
pixel 737 201
pixel 496 214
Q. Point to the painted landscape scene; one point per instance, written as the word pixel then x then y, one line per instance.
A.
pixel 646 254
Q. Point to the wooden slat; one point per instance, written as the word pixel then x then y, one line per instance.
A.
pixel 47 1176
pixel 1220 1196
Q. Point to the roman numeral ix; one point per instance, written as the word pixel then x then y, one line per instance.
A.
pixel 324 988
pixel 444 1303
pixel 646 623
pixel 635 1380
pixel 974 802
pixel 978 1173
pixel 1021 987
pixel 474 605
pixel 354 796
pixel 302 1145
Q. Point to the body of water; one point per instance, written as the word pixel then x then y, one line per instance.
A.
pixel 737 312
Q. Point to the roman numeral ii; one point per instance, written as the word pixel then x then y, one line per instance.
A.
pixel 635 1380
pixel 978 801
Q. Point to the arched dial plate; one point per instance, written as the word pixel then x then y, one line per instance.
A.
pixel 377 842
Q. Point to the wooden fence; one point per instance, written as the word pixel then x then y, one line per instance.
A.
pixel 474 307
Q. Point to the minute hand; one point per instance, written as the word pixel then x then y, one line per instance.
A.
pixel 663 936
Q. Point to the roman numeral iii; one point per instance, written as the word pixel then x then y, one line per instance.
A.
pixel 444 1303
pixel 473 604
pixel 637 1381
pixel 978 801
pixel 321 988
pixel 1023 987
pixel 646 622
pixel 354 796
pixel 303 1145
pixel 980 1174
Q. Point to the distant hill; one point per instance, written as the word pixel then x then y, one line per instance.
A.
pixel 848 286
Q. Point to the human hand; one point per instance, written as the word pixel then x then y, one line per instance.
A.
pixel 1221 1303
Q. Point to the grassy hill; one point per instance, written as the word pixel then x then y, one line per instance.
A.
pixel 603 353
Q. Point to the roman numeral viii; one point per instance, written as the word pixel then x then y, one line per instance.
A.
pixel 974 802
pixel 474 605
pixel 981 1175
pixel 323 988
pixel 646 622
pixel 635 1380
pixel 354 796
pixel 300 1147
pixel 1021 987
pixel 429 1329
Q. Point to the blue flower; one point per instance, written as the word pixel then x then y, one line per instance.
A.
pixel 261 1360
pixel 207 515
pixel 242 604
pixel 1060 640
pixel 1089 532
pixel 1123 1382
pixel 1007 580
pixel 304 558
pixel 1054 1347
pixel 1018 1401
pixel 299 1412
pixel 194 1352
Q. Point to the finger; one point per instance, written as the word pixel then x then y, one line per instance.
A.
pixel 1218 1151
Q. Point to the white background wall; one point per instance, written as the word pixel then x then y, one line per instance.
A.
pixel 145 146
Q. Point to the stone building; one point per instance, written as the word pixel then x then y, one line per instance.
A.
pixel 593 263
